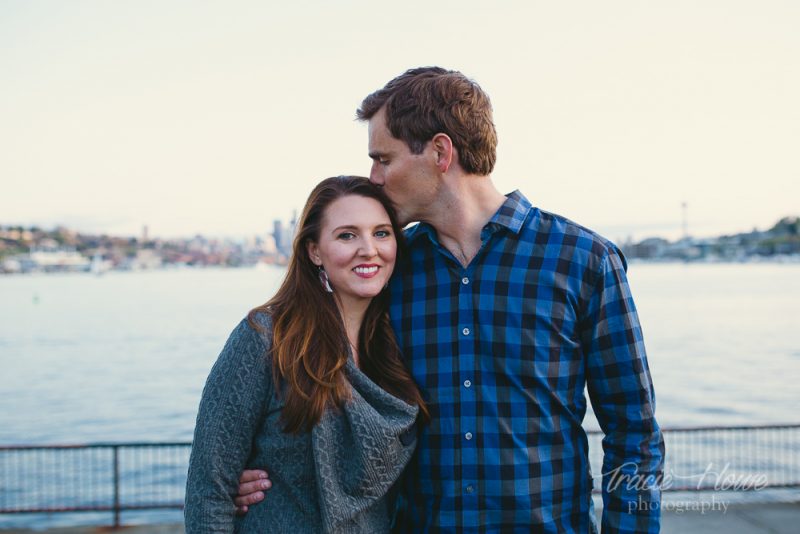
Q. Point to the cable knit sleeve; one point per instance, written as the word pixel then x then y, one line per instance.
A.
pixel 232 408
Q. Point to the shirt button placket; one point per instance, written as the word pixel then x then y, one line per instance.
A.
pixel 467 367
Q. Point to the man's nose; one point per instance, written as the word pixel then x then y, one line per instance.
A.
pixel 374 175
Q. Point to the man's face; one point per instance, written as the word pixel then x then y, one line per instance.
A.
pixel 409 180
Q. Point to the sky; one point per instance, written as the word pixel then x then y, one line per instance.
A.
pixel 218 117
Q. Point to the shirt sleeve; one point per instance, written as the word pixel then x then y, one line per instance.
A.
pixel 232 408
pixel 623 399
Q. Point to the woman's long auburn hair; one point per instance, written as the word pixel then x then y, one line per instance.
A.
pixel 309 342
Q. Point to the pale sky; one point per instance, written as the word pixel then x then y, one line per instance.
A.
pixel 217 117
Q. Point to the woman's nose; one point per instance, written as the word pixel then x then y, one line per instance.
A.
pixel 368 247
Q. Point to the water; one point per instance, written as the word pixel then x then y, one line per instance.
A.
pixel 723 341
pixel 123 357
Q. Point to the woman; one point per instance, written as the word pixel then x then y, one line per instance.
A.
pixel 312 384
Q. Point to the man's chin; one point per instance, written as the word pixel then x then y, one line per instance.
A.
pixel 405 221
pixel 402 218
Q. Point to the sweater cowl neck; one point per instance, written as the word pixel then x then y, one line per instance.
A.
pixel 360 451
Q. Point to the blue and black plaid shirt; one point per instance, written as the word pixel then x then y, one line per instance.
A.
pixel 502 350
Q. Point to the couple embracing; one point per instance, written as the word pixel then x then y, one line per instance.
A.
pixel 432 379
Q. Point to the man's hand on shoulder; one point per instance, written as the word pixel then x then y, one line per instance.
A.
pixel 252 485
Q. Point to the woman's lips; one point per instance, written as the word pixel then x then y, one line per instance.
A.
pixel 366 270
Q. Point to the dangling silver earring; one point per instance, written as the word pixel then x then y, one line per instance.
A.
pixel 323 278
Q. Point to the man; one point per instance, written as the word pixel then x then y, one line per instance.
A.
pixel 504 313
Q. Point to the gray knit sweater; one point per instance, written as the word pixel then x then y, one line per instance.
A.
pixel 332 479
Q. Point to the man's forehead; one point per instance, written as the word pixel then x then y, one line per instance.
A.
pixel 377 123
pixel 380 140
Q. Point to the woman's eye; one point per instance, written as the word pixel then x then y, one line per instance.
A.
pixel 383 233
pixel 347 235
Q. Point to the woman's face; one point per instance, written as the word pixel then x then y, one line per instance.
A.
pixel 357 247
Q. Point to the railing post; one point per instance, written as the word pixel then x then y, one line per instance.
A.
pixel 116 486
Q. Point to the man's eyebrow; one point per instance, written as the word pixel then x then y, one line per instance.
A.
pixel 376 155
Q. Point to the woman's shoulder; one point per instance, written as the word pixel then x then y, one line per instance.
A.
pixel 255 327
pixel 261 317
pixel 249 343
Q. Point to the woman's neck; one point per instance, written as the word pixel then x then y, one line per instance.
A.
pixel 352 312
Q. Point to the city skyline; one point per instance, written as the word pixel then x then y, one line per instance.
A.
pixel 216 119
pixel 145 232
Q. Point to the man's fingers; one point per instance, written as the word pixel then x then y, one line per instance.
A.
pixel 245 500
pixel 252 485
pixel 247 488
pixel 249 475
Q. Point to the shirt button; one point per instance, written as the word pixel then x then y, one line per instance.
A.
pixel 470 488
pixel 468 435
pixel 465 331
pixel 465 280
pixel 467 383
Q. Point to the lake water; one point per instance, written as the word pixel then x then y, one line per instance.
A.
pixel 124 356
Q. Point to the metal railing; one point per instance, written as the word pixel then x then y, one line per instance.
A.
pixel 119 477
pixel 722 458
pixel 112 477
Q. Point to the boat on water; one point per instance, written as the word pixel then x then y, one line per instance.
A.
pixel 58 259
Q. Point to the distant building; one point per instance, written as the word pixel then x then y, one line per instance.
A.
pixel 145 259
pixel 268 245
pixel 652 247
pixel 283 235
pixel 277 234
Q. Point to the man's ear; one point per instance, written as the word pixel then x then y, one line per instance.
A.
pixel 313 253
pixel 443 151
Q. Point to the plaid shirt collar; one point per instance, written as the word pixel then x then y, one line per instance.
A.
pixel 511 216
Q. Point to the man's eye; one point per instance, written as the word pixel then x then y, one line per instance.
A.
pixel 383 161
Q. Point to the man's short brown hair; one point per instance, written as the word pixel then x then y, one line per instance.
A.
pixel 425 101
